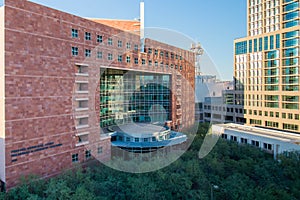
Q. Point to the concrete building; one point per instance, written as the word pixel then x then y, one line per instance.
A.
pixel 208 86
pixel 266 64
pixel 272 141
pixel 227 108
pixel 66 80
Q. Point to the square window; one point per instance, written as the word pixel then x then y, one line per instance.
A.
pixel 99 55
pixel 110 41
pixel 136 139
pixel 136 47
pixel 120 44
pixel 88 154
pixel 100 150
pixel 110 56
pixel 87 36
pixel 128 45
pixel 128 139
pixel 74 33
pixel 75 158
pixel 99 38
pixel 146 140
pixel 290 116
pixel 136 61
pixel 74 51
pixel 88 53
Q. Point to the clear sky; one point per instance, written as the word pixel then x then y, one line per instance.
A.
pixel 215 24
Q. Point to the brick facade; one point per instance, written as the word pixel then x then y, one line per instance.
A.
pixel 41 130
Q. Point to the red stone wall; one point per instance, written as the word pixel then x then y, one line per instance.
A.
pixel 40 86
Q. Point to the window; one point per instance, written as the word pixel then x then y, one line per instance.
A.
pixel 88 154
pixel 99 55
pixel 81 69
pixel 290 116
pixel 82 122
pixel 120 44
pixel 128 139
pixel 75 158
pixel 153 139
pixel 109 56
pixel 150 62
pixel 128 59
pixel 87 36
pixel 136 139
pixel 224 136
pixel 149 50
pixel 156 52
pixel 267 146
pixel 290 127
pixel 120 59
pixel 99 38
pixel 110 41
pixel 180 67
pixel 136 47
pixel 255 143
pixel 82 86
pixel 167 55
pixel 146 140
pixel 283 115
pixel 161 53
pixel 128 45
pixel 74 33
pixel 244 140
pixel 266 43
pixel 100 150
pixel 74 51
pixel 136 61
pixel 156 64
pixel 88 53
pixel 82 104
pixel 297 116
pixel 143 61
pixel 233 138
pixel 83 139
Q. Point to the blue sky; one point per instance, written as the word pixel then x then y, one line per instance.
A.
pixel 215 24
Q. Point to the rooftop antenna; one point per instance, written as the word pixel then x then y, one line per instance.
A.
pixel 142 25
pixel 198 50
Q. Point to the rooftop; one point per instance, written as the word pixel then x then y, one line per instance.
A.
pixel 139 129
pixel 274 134
pixel 132 26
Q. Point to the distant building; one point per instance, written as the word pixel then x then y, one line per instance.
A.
pixel 208 86
pixel 227 108
pixel 272 141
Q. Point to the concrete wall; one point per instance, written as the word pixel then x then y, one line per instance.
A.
pixel 2 107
